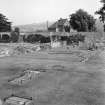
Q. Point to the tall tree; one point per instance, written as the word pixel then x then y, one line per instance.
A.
pixel 82 21
pixel 101 11
pixel 5 25
pixel 15 35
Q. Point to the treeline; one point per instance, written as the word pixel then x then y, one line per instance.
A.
pixel 33 38
pixel 38 38
pixel 73 39
pixel 43 39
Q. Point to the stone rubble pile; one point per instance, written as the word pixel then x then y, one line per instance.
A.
pixel 85 56
pixel 21 49
pixel 5 52
pixel 28 76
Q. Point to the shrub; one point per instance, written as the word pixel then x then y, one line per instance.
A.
pixel 33 38
pixel 75 39
pixel 14 37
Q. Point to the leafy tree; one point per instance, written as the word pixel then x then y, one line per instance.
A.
pixel 17 30
pixel 101 11
pixel 5 25
pixel 82 21
pixel 15 35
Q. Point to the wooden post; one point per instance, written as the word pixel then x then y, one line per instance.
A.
pixel 47 25
pixel 51 39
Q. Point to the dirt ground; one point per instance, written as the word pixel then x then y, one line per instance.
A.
pixel 63 80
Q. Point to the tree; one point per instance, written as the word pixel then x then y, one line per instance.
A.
pixel 101 11
pixel 5 25
pixel 15 35
pixel 82 21
pixel 17 30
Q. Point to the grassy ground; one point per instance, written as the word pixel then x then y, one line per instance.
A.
pixel 65 80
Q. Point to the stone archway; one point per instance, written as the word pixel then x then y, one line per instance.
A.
pixel 5 37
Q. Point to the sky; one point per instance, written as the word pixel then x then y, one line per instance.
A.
pixel 35 11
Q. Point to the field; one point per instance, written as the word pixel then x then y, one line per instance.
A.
pixel 63 78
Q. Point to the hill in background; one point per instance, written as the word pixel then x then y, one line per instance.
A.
pixel 33 27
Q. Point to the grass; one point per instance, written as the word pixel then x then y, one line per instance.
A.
pixel 65 80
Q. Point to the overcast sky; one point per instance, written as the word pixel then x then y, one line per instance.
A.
pixel 35 11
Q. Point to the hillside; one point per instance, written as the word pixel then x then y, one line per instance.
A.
pixel 33 27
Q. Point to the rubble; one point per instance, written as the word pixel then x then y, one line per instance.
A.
pixel 5 52
pixel 18 49
pixel 28 76
pixel 84 56
pixel 16 100
pixel 26 48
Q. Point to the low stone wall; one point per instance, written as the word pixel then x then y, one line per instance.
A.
pixel 28 76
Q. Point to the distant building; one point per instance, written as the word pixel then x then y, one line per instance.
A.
pixel 59 25
pixel 53 27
